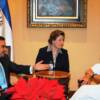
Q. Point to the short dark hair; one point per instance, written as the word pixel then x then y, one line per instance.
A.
pixel 54 34
pixel 2 38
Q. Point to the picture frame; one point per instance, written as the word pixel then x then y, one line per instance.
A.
pixel 57 13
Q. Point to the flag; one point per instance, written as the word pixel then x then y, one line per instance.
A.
pixel 5 25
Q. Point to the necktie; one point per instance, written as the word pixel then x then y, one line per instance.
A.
pixel 3 82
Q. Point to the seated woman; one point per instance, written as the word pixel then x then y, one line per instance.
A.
pixel 54 54
pixel 86 91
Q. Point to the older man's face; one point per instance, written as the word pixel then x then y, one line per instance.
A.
pixel 2 48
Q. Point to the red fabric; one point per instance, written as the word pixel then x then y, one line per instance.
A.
pixel 37 89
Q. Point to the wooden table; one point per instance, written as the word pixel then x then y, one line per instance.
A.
pixel 53 74
pixel 62 77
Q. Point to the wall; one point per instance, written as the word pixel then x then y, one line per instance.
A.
pixel 82 43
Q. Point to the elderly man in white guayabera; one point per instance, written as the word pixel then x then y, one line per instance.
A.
pixel 87 91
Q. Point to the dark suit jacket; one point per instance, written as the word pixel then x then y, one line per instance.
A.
pixel 62 61
pixel 12 67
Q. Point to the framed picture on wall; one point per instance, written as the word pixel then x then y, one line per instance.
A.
pixel 57 13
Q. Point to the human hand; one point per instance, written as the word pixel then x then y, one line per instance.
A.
pixel 40 66
pixel 86 80
pixel 83 81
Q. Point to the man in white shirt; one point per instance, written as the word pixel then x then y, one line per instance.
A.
pixel 86 91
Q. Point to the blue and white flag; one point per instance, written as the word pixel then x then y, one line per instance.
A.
pixel 5 25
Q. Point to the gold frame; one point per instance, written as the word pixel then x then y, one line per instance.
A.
pixel 35 21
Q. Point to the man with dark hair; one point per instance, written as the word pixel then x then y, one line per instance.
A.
pixel 7 66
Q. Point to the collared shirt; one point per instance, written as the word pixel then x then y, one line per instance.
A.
pixel 49 49
pixel 3 82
